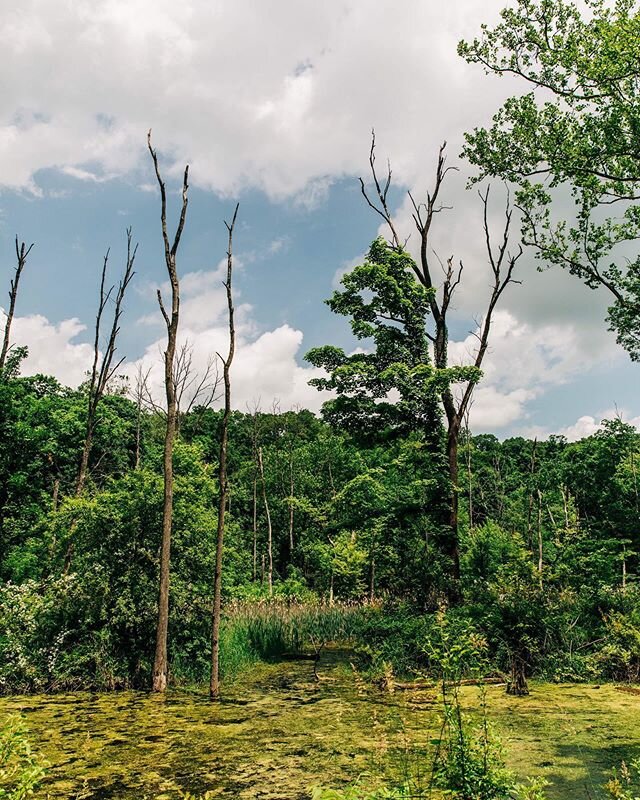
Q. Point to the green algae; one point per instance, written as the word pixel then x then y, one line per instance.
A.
pixel 278 732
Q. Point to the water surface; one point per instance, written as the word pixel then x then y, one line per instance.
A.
pixel 278 732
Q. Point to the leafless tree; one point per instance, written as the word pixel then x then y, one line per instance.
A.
pixel 22 252
pixel 501 268
pixel 103 369
pixel 171 318
pixel 223 483
pixel 194 388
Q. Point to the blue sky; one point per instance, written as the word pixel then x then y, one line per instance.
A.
pixel 272 107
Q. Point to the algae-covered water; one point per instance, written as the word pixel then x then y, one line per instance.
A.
pixel 278 733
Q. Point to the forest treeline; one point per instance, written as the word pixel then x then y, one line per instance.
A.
pixel 549 538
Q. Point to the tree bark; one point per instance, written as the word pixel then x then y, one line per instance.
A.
pixel 255 528
pixel 451 545
pixel 517 685
pixel 223 483
pixel 160 665
pixel 269 527
pixel 291 508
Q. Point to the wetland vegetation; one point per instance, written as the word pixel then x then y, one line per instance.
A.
pixel 383 604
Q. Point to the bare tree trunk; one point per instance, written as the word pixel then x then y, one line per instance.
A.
pixel 223 483
pixel 517 685
pixel 160 665
pixel 451 548
pixel 540 554
pixel 22 251
pixel 532 470
pixel 372 577
pixel 291 508
pixel 269 528
pixel 469 471
pixel 56 492
pixel 565 506
pixel 255 528
pixel 101 373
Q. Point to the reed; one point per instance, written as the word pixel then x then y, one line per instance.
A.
pixel 266 630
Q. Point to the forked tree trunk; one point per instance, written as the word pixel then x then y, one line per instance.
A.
pixel 223 483
pixel 160 664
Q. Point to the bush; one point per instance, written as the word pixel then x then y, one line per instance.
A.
pixel 20 768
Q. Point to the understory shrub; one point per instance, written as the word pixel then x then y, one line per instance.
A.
pixel 21 769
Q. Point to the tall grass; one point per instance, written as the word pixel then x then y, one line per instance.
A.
pixel 263 631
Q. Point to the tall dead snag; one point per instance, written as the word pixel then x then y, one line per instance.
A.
pixel 501 263
pixel 223 483
pixel 160 666
pixel 103 370
pixel 22 252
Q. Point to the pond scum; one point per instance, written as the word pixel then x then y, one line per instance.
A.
pixel 280 732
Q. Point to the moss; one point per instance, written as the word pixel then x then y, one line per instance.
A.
pixel 277 733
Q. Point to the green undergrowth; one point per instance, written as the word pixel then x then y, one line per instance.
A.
pixel 21 768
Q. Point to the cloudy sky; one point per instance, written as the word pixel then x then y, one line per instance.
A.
pixel 271 102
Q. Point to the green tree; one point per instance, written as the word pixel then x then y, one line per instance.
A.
pixel 391 389
pixel 575 133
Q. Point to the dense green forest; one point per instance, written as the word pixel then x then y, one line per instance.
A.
pixel 163 543
pixel 548 534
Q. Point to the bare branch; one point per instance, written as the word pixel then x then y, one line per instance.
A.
pixel 22 253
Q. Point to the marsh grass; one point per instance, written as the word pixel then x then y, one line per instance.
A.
pixel 265 631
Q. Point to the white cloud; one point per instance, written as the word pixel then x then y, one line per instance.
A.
pixel 587 425
pixel 279 96
pixel 522 362
pixel 52 349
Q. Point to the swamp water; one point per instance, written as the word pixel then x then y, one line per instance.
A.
pixel 278 733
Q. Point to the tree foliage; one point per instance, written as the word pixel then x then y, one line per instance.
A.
pixel 571 143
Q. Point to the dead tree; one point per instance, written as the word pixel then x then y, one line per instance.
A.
pixel 501 263
pixel 254 455
pixel 223 483
pixel 267 512
pixel 194 388
pixel 22 252
pixel 160 665
pixel 102 370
